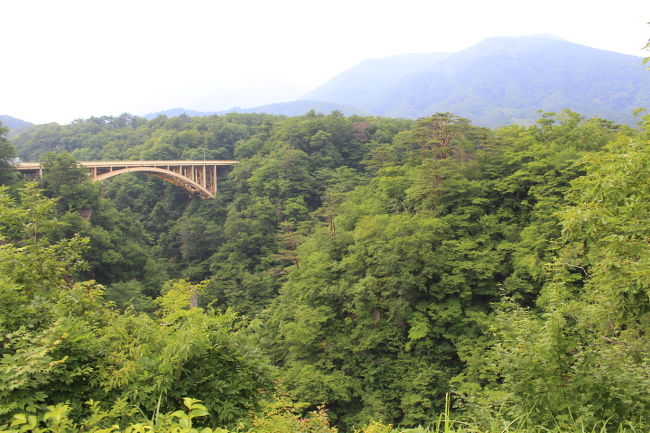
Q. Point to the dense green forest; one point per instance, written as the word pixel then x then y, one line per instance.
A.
pixel 353 274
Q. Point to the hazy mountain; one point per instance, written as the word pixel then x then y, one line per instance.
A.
pixel 364 84
pixel 298 108
pixel 294 108
pixel 173 112
pixel 496 82
pixel 14 125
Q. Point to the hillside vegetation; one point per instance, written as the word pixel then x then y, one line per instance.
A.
pixel 353 274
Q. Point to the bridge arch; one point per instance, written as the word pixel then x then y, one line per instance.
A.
pixel 172 177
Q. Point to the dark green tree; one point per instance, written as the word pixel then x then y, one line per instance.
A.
pixel 65 179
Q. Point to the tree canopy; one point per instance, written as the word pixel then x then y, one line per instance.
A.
pixel 374 266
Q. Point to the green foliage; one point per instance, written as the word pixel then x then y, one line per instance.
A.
pixel 47 319
pixel 540 163
pixel 7 153
pixel 65 179
pixel 279 417
pixel 62 345
pixel 370 319
pixel 399 284
pixel 580 357
pixel 57 420
pixel 184 350
pixel 379 263
pixel 289 167
pixel 120 250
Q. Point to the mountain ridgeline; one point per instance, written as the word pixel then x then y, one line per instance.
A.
pixel 500 81
pixel 15 125
pixel 497 82
pixel 351 274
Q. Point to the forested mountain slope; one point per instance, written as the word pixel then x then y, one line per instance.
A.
pixel 287 167
pixel 371 264
pixel 497 82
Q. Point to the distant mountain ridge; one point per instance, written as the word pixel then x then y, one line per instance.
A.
pixel 174 112
pixel 293 108
pixel 364 84
pixel 496 82
pixel 499 81
pixel 15 125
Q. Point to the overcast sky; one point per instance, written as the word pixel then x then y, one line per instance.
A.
pixel 69 59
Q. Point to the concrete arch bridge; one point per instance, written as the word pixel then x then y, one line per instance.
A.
pixel 199 178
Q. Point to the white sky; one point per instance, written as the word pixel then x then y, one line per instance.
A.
pixel 69 59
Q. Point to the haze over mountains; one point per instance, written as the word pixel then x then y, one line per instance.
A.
pixel 499 81
pixel 15 125
pixel 294 108
pixel 505 80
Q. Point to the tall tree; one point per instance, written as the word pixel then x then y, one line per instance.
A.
pixel 65 179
